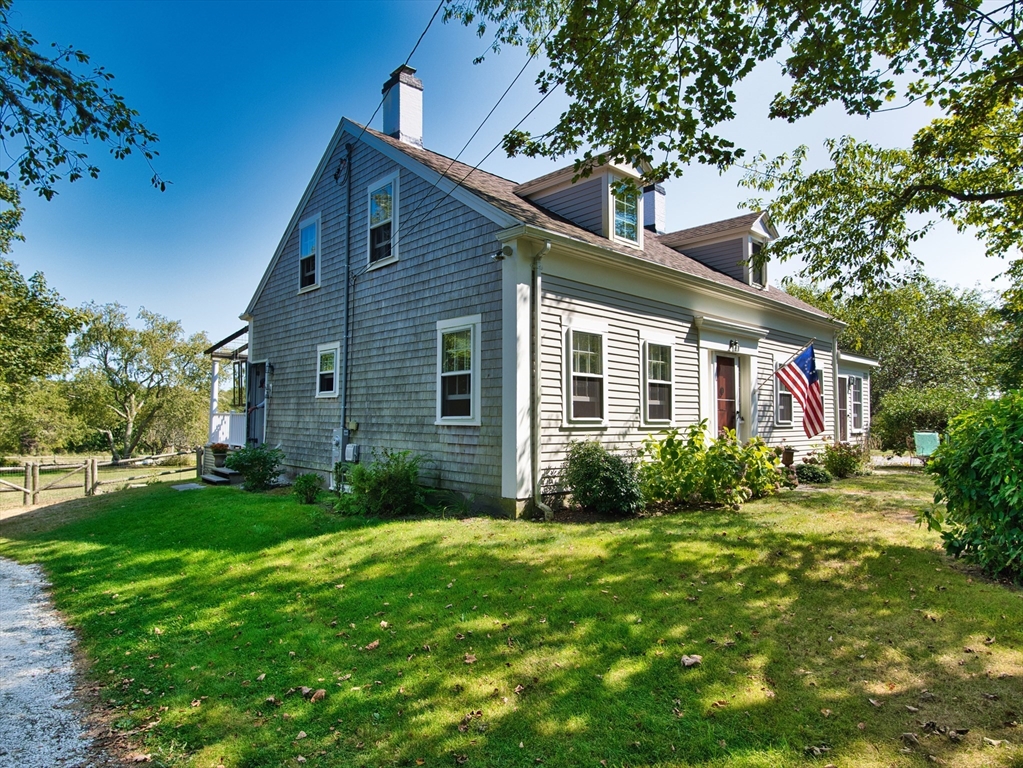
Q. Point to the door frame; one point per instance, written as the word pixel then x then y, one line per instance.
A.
pixel 250 400
pixel 736 365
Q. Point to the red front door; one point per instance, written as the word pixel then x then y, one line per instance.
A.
pixel 727 391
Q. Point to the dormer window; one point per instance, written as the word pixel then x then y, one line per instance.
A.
pixel 626 215
pixel 757 272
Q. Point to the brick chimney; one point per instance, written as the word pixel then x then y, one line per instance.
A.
pixel 403 106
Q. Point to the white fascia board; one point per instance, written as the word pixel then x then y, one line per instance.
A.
pixel 660 272
pixel 866 362
pixel 729 326
pixel 459 193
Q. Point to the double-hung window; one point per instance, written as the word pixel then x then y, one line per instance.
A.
pixel 458 366
pixel 856 402
pixel 782 402
pixel 327 356
pixel 309 254
pixel 758 273
pixel 586 375
pixel 658 381
pixel 626 214
pixel 383 220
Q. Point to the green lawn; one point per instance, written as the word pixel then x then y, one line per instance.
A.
pixel 822 617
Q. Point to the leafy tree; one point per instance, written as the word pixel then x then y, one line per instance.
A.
pixel 42 421
pixel 136 375
pixel 923 333
pixel 33 334
pixel 52 106
pixel 655 81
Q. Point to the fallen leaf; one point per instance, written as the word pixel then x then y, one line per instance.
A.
pixel 994 742
pixel 861 726
pixel 261 678
pixel 470 659
pixel 141 758
pixel 692 661
pixel 371 646
pixel 384 625
pixel 910 738
pixel 876 703
pixel 826 712
pixel 911 708
pixel 301 735
pixel 196 702
pixel 318 695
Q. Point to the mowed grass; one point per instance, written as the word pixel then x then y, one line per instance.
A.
pixel 822 617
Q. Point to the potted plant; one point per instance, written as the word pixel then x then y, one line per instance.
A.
pixel 219 453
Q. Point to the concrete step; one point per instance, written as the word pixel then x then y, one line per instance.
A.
pixel 215 480
pixel 233 476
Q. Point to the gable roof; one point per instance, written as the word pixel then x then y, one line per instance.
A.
pixel 497 199
pixel 736 223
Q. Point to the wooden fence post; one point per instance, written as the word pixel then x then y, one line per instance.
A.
pixel 87 474
pixel 25 497
pixel 35 483
pixel 198 462
pixel 95 475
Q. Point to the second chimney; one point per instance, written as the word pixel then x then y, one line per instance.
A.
pixel 403 106
pixel 653 208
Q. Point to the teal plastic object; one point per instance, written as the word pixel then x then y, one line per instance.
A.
pixel 926 442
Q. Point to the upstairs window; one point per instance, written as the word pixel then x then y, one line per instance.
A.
pixel 757 273
pixel 626 215
pixel 458 353
pixel 658 382
pixel 383 220
pixel 326 370
pixel 586 376
pixel 308 254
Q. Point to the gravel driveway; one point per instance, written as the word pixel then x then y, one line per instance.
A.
pixel 40 722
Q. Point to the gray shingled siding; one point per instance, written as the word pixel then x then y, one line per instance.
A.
pixel 443 271
pixel 782 346
pixel 724 257
pixel 625 317
pixel 582 204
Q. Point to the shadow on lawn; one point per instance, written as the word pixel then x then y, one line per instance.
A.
pixel 563 639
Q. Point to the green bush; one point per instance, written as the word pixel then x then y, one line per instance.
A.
pixel 601 481
pixel 813 473
pixel 259 465
pixel 687 470
pixel 905 411
pixel 979 473
pixel 844 459
pixel 386 487
pixel 306 487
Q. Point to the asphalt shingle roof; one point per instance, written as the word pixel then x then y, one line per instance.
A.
pixel 500 193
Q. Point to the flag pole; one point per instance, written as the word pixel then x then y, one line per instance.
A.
pixel 800 351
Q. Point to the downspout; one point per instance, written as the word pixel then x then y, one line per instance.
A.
pixel 536 384
pixel 345 434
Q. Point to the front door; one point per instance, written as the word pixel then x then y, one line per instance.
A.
pixel 843 409
pixel 256 423
pixel 727 385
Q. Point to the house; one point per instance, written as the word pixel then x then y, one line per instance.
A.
pixel 415 303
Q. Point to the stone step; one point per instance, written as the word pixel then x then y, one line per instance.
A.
pixel 227 472
pixel 215 480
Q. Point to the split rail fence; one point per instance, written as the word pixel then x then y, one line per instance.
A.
pixel 33 479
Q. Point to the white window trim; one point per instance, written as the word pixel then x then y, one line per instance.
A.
pixel 391 178
pixel 778 384
pixel 749 269
pixel 472 322
pixel 318 254
pixel 612 212
pixel 585 325
pixel 664 340
pixel 334 347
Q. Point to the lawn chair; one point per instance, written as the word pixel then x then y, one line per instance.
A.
pixel 924 444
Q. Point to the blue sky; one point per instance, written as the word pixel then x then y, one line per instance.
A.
pixel 245 97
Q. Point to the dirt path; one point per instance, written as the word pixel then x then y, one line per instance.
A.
pixel 41 723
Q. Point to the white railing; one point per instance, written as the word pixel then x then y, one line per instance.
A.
pixel 227 428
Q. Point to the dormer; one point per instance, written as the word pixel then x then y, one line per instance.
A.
pixel 597 203
pixel 728 246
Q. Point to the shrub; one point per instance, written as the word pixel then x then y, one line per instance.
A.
pixel 979 473
pixel 905 411
pixel 386 487
pixel 844 459
pixel 689 470
pixel 813 473
pixel 602 481
pixel 306 487
pixel 259 465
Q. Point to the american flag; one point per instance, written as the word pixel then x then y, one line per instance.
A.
pixel 800 376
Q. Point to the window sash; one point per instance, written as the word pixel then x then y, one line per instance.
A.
pixel 326 371
pixel 627 216
pixel 783 401
pixel 856 400
pixel 381 215
pixel 658 382
pixel 307 248
pixel 587 375
pixel 458 370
